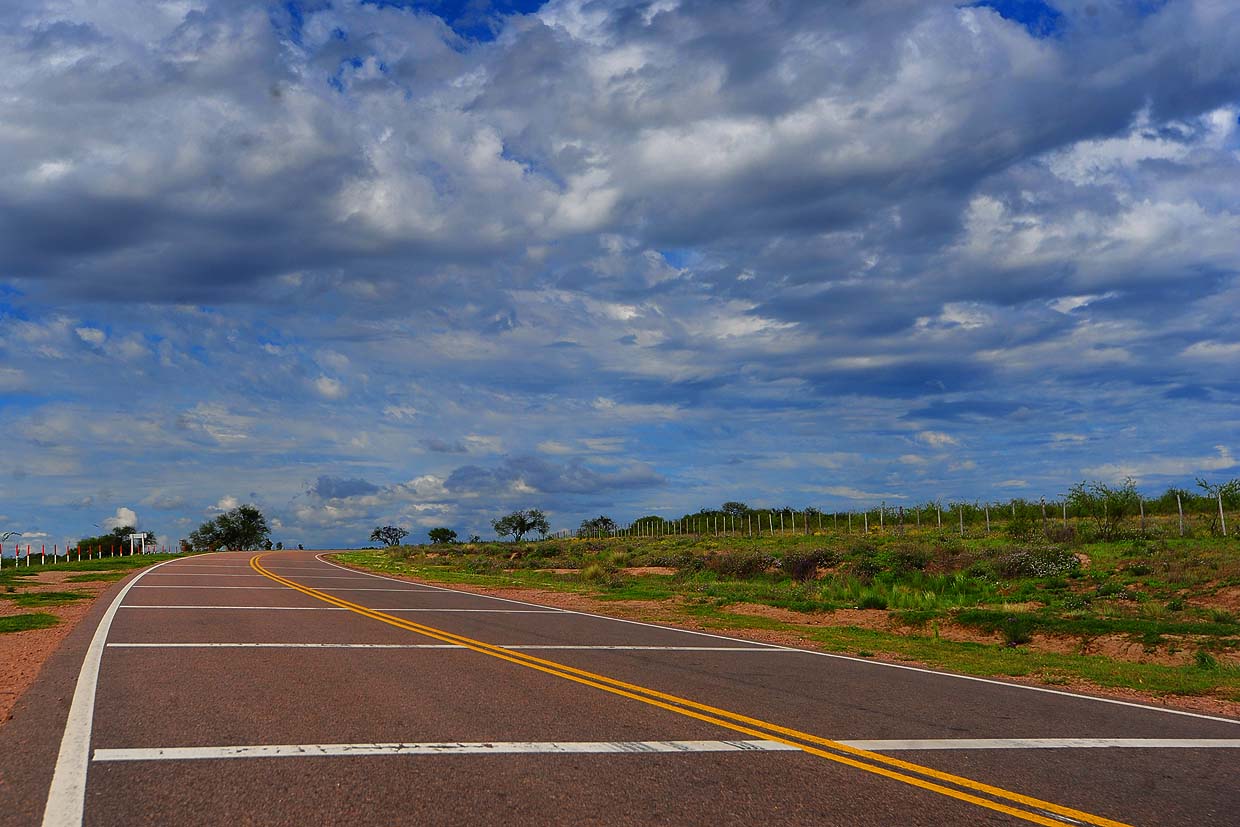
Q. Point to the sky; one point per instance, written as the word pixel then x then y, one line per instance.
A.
pixel 423 263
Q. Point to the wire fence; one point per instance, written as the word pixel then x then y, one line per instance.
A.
pixel 1171 515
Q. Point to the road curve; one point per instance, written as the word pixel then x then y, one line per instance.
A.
pixel 283 689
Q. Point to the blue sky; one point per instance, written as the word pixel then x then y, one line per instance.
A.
pixel 424 263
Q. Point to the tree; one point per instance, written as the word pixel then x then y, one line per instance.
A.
pixel 389 535
pixel 442 536
pixel 1106 505
pixel 519 523
pixel 243 528
pixel 1225 494
pixel 117 537
pixel 599 525
pixel 280 546
pixel 735 509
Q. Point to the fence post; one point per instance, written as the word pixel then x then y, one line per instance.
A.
pixel 866 515
pixel 882 523
pixel 1141 506
pixel 1221 517
pixel 1179 505
pixel 961 509
pixel 987 518
pixel 938 509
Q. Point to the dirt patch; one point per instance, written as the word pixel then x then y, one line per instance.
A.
pixel 1227 598
pixel 22 653
pixel 640 570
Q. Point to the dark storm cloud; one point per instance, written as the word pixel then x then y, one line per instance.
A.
pixel 338 488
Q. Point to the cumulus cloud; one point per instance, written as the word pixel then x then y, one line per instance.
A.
pixel 123 517
pixel 612 235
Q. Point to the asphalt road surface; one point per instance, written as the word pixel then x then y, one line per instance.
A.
pixel 236 689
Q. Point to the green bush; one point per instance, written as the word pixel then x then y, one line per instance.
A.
pixel 802 566
pixel 740 565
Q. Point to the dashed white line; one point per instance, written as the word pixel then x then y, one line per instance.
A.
pixel 485 748
pixel 338 609
pixel 523 647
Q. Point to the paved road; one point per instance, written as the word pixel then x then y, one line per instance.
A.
pixel 236 689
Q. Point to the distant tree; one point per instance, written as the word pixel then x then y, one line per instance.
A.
pixel 117 537
pixel 389 535
pixel 240 529
pixel 1105 504
pixel 1224 494
pixel 280 546
pixel 519 523
pixel 442 536
pixel 599 525
pixel 474 538
pixel 300 547
pixel 735 509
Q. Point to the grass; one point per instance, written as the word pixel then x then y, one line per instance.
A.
pixel 29 600
pixel 1147 587
pixel 26 622
pixel 98 576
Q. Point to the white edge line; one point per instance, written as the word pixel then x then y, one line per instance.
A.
pixel 921 669
pixel 66 797
pixel 493 748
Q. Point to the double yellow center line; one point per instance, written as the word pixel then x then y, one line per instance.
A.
pixel 990 797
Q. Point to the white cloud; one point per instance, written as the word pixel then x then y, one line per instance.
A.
pixel 1164 466
pixel 937 439
pixel 123 516
pixel 329 388
pixel 91 335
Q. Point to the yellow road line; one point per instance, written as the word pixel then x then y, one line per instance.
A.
pixel 732 720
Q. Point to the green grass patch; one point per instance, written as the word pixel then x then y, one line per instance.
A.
pixel 29 600
pixel 26 622
pixel 98 576
pixel 990 620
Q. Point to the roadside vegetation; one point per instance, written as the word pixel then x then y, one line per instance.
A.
pixel 1092 599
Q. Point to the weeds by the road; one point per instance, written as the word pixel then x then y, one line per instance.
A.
pixel 1145 612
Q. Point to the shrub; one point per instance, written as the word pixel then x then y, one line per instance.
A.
pixel 1036 561
pixel 597 572
pixel 803 565
pixel 903 559
pixel 866 569
pixel 740 565
pixel 1064 534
